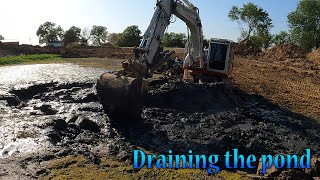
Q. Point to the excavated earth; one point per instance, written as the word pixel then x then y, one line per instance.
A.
pixel 75 52
pixel 246 48
pixel 315 56
pixel 52 111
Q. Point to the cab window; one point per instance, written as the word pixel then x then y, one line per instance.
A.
pixel 218 55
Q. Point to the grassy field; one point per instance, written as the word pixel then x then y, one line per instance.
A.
pixel 25 59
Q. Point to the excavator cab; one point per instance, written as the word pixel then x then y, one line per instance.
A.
pixel 220 57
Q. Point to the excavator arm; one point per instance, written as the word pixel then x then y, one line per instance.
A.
pixel 122 95
pixel 190 15
pixel 148 53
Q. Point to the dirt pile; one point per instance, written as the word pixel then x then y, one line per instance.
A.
pixel 107 51
pixel 101 52
pixel 211 98
pixel 283 52
pixel 246 48
pixel 7 49
pixel 289 55
pixel 315 56
pixel 4 53
pixel 76 52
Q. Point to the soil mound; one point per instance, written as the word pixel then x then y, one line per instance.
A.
pixel 315 56
pixel 246 48
pixel 9 49
pixel 76 52
pixel 283 52
pixel 101 52
pixel 211 98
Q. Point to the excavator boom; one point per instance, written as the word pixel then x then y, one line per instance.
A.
pixel 148 53
pixel 121 94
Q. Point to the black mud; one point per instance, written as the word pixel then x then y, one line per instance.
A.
pixel 45 121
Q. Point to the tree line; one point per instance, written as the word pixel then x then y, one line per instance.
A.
pixel 97 35
pixel 304 25
pixel 253 21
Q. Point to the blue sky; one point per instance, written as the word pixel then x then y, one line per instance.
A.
pixel 19 19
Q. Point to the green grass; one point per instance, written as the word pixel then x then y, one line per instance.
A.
pixel 8 60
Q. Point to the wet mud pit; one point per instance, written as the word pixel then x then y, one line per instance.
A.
pixel 51 111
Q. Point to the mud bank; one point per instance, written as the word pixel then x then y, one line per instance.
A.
pixel 54 112
pixel 212 118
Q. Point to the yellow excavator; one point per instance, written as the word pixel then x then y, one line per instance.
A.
pixel 122 94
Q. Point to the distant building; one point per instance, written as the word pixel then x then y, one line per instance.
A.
pixel 10 42
pixel 55 43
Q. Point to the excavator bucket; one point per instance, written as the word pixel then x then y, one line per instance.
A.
pixel 122 97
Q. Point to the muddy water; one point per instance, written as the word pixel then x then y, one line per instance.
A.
pixel 50 111
pixel 33 95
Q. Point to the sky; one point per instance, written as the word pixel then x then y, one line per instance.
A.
pixel 20 19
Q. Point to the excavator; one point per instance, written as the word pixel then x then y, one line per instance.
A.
pixel 122 94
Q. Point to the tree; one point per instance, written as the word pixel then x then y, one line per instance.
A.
pixel 1 37
pixel 282 38
pixel 167 40
pixel 252 21
pixel 114 38
pixel 59 32
pixel 99 35
pixel 304 24
pixel 72 36
pixel 130 37
pixel 174 40
pixel 85 36
pixel 48 32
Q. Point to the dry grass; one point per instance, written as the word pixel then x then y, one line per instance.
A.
pixel 78 167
